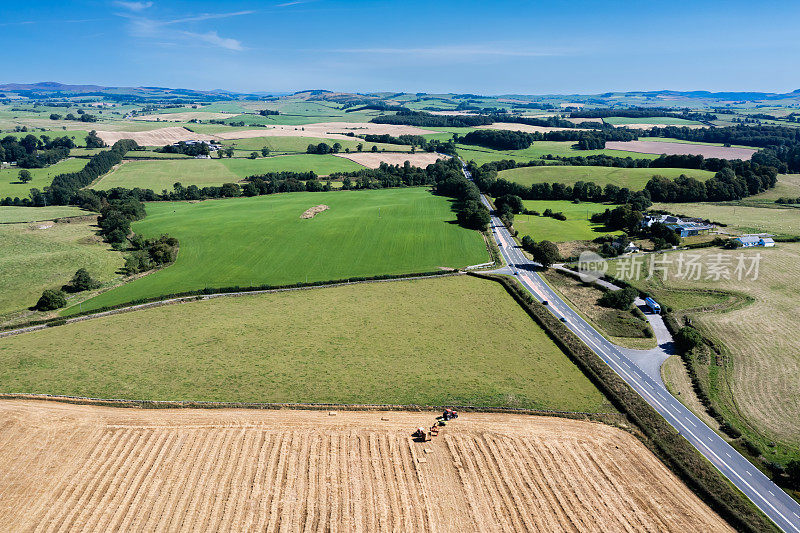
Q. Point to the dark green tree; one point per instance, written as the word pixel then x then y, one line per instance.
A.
pixel 51 299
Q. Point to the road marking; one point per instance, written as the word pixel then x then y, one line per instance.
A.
pixel 729 455
pixel 617 357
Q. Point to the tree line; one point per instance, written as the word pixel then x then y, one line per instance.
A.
pixel 33 152
pixel 644 112
pixel 519 140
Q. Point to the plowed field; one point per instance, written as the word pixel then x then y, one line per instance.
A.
pixel 70 468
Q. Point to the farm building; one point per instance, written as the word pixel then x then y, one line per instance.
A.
pixel 748 241
pixel 685 228
pixel 688 229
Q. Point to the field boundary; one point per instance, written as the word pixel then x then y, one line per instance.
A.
pixel 662 439
pixel 198 404
pixel 207 294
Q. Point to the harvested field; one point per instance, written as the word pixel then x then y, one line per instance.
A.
pixel 311 212
pixel 519 127
pixel 374 159
pixel 184 116
pixel 654 147
pixel 68 467
pixel 643 126
pixel 326 130
pixel 157 137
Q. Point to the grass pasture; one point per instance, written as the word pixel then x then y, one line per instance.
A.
pixel 577 227
pixel 372 343
pixel 633 178
pixel 538 149
pixel 262 240
pixel 42 177
pixel 754 380
pixel 35 259
pixel 162 174
pixel 12 214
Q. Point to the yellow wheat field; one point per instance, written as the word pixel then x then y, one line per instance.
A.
pixel 88 468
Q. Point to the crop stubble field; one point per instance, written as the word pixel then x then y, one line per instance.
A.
pixel 759 384
pixel 72 467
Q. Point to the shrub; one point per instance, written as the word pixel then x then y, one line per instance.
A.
pixel 620 299
pixel 51 299
pixel 687 338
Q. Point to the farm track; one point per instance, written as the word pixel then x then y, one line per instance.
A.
pixel 88 468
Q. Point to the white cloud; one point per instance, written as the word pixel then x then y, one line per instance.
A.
pixel 214 39
pixel 133 6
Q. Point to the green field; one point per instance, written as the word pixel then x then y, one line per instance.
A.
pixel 34 259
pixel 745 219
pixel 451 341
pixel 158 175
pixel 536 151
pixel 672 121
pixel 11 214
pixel 577 227
pixel 633 178
pixel 300 144
pixel 262 240
pixel 42 177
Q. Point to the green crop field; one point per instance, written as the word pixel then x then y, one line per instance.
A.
pixel 632 178
pixel 743 218
pixel 300 144
pixel 538 149
pixel 262 240
pixel 33 259
pixel 577 227
pixel 42 177
pixel 158 175
pixel 451 341
pixel 11 214
pixel 672 121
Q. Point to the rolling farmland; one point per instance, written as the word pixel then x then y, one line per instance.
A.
pixel 158 175
pixel 42 177
pixel 262 240
pixel 45 255
pixel 577 227
pixel 742 218
pixel 233 470
pixel 368 343
pixel 754 380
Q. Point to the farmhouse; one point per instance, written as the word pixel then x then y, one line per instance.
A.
pixel 684 227
pixel 748 241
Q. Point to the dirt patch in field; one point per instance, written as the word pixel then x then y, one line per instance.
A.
pixel 520 127
pixel 326 130
pixel 579 120
pixel 99 468
pixel 374 159
pixel 656 147
pixel 185 116
pixel 157 137
pixel 311 212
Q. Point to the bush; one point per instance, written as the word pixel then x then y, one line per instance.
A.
pixel 620 299
pixel 51 299
pixel 687 338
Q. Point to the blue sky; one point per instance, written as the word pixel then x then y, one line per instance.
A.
pixel 487 47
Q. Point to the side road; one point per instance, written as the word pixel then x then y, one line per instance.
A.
pixel 781 508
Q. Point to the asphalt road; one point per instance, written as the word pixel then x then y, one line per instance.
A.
pixel 773 502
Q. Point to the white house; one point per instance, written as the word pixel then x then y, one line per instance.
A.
pixel 748 241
